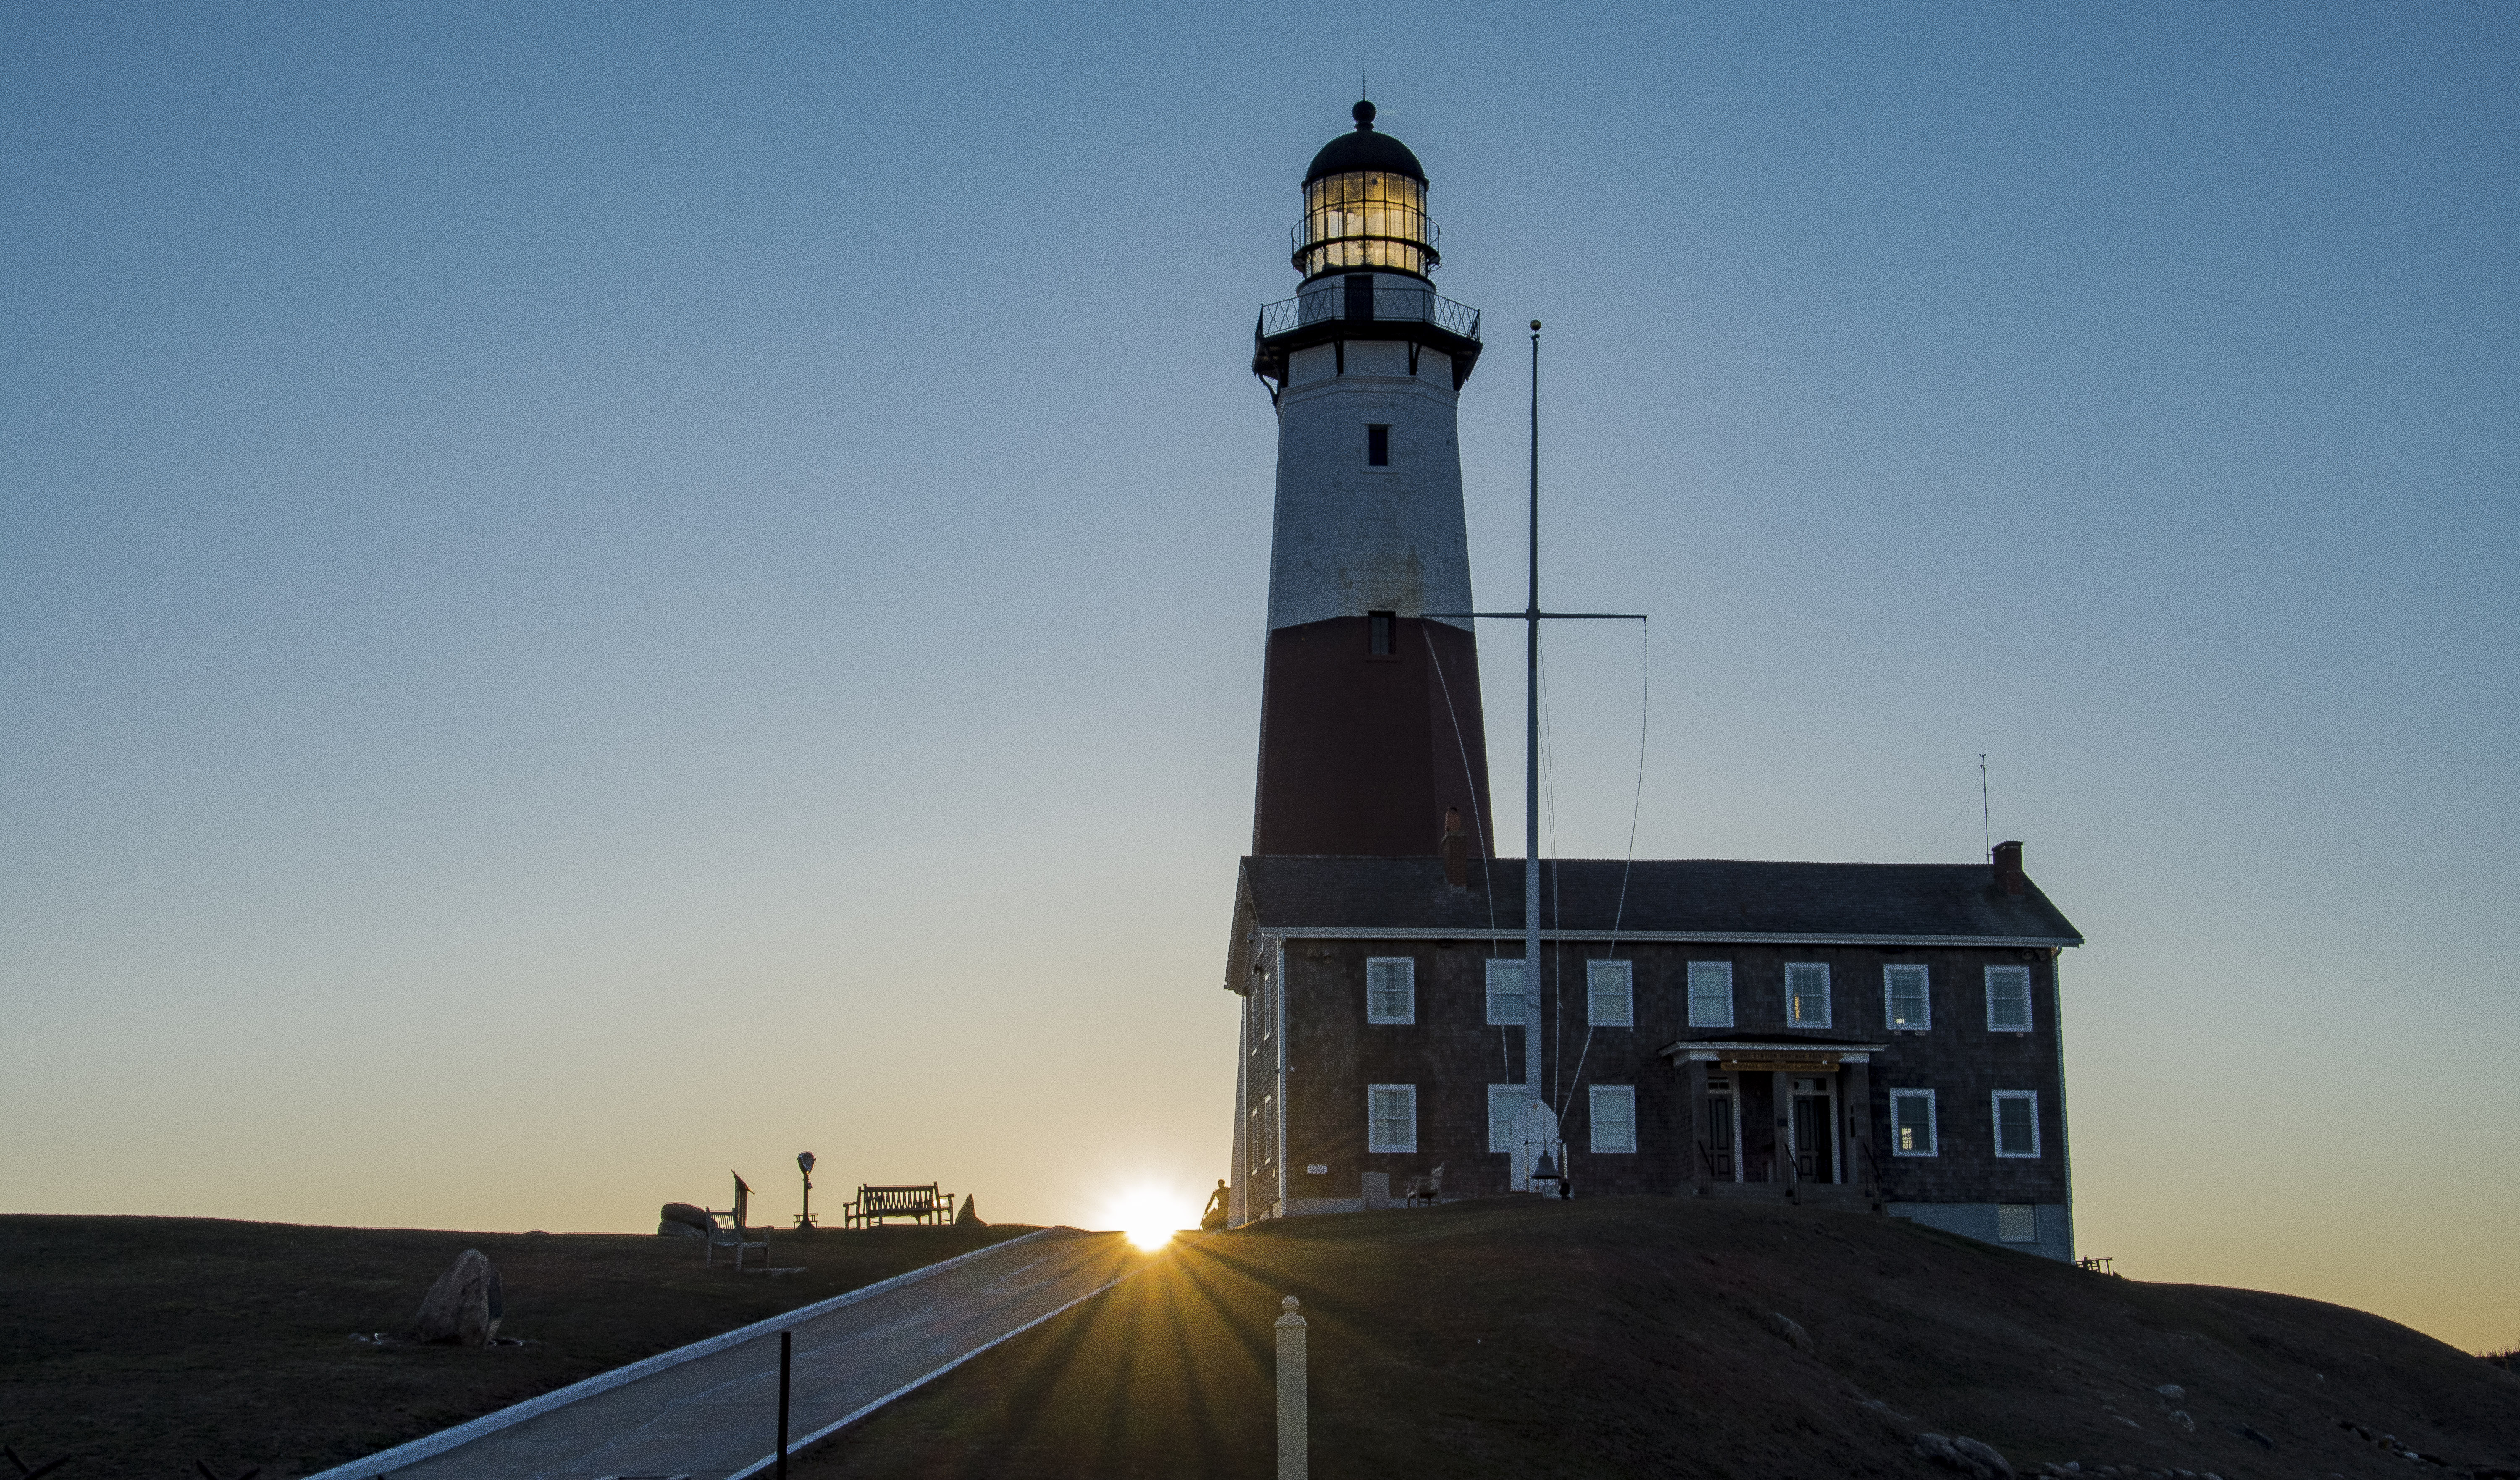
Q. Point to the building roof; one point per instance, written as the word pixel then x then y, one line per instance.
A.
pixel 1706 898
pixel 1365 149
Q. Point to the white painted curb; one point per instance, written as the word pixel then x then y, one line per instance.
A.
pixel 422 1447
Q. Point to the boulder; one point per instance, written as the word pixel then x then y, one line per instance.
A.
pixel 2172 1391
pixel 967 1219
pixel 1792 1331
pixel 465 1304
pixel 690 1217
pixel 671 1230
pixel 1969 1456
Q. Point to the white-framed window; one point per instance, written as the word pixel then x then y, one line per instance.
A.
pixel 1391 989
pixel 2008 999
pixel 2016 1123
pixel 2017 1223
pixel 1806 997
pixel 1614 1118
pixel 1907 1005
pixel 1505 995
pixel 1505 1116
pixel 1392 1117
pixel 1710 994
pixel 1612 990
pixel 1912 1122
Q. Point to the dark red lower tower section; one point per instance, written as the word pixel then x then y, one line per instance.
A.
pixel 1361 752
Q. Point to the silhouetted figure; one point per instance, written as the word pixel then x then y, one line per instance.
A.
pixel 1214 1217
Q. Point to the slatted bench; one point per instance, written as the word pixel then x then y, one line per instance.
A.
pixel 921 1203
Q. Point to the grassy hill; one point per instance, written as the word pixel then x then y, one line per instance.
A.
pixel 143 1344
pixel 1640 1337
pixel 1601 1337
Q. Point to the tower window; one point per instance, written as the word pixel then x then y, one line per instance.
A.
pixel 1377 633
pixel 1378 446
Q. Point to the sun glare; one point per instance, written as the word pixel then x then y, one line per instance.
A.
pixel 1148 1216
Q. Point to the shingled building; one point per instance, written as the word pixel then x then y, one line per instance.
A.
pixel 1871 1035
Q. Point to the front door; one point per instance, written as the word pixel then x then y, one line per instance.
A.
pixel 1360 295
pixel 1815 1148
pixel 1715 1149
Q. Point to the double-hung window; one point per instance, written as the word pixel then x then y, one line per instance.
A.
pixel 1391 989
pixel 1505 1116
pixel 1909 1008
pixel 1391 1110
pixel 1614 1118
pixel 2016 1123
pixel 1710 994
pixel 1806 997
pixel 1912 1122
pixel 1613 992
pixel 1505 993
pixel 2008 999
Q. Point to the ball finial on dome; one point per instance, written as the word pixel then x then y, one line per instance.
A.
pixel 1363 113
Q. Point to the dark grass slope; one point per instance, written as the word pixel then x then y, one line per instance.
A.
pixel 143 1344
pixel 1636 1337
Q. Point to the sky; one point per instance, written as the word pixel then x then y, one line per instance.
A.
pixel 596 596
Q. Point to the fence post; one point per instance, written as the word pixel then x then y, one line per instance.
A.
pixel 786 1345
pixel 1293 1444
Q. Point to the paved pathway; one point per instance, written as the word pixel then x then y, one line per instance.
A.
pixel 717 1415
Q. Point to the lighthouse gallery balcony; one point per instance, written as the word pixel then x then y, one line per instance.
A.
pixel 1358 310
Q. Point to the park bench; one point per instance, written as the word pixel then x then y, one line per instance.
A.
pixel 916 1204
pixel 732 1236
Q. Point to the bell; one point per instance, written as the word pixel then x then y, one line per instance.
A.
pixel 1548 1166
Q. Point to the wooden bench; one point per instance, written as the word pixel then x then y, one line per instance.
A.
pixel 732 1238
pixel 921 1203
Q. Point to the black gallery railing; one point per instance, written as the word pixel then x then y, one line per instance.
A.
pixel 1405 306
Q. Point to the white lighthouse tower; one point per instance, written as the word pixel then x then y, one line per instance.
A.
pixel 1371 727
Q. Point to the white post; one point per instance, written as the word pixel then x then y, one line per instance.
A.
pixel 1292 1443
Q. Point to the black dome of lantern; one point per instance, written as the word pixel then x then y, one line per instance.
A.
pixel 1365 149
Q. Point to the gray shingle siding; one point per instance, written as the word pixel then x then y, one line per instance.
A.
pixel 1452 1056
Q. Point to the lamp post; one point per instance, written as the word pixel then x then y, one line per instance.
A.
pixel 805 1169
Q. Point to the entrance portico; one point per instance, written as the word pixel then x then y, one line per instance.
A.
pixel 1770 1111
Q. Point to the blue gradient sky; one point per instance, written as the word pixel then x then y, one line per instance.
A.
pixel 590 595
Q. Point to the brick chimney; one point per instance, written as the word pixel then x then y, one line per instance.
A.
pixel 1457 849
pixel 2007 869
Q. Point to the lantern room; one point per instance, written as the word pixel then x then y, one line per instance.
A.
pixel 1364 207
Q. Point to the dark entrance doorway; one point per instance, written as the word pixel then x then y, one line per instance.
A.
pixel 1716 1146
pixel 1815 1148
pixel 1360 295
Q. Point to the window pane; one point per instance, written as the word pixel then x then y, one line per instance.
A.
pixel 1394 1118
pixel 1710 995
pixel 1613 1119
pixel 1504 992
pixel 1505 1116
pixel 1906 996
pixel 2008 997
pixel 1809 986
pixel 1913 1117
pixel 2012 1126
pixel 1610 996
pixel 2017 1223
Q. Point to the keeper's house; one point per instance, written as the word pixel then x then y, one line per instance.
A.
pixel 1865 1034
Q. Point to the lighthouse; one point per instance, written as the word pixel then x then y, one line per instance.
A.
pixel 1371 731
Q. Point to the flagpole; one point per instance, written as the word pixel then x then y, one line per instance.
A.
pixel 1531 767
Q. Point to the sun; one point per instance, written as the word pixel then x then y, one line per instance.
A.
pixel 1147 1216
